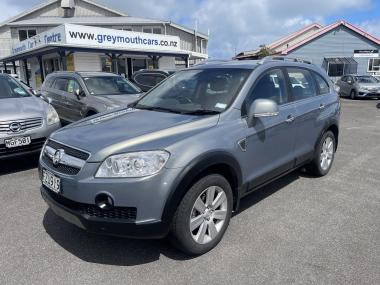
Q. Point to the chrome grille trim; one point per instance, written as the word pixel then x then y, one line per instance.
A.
pixel 66 159
pixel 25 125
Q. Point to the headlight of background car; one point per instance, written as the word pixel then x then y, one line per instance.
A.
pixel 112 106
pixel 52 116
pixel 134 164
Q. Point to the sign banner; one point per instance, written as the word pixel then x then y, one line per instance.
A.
pixel 95 37
pixel 52 36
pixel 366 53
pixel 101 37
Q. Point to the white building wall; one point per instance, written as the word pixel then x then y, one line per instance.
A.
pixel 87 61
pixel 166 63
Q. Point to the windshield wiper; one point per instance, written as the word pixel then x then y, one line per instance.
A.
pixel 153 108
pixel 202 112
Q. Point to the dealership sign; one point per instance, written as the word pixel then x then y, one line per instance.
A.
pixel 94 37
pixel 366 53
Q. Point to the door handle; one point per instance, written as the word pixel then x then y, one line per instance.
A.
pixel 322 106
pixel 290 119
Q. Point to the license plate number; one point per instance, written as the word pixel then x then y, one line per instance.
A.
pixel 16 142
pixel 51 181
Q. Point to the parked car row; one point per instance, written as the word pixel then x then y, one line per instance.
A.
pixel 26 121
pixel 359 86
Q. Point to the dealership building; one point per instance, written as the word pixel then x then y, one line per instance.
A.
pixel 340 48
pixel 83 35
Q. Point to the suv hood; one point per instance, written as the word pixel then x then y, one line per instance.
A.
pixel 21 108
pixel 131 130
pixel 122 100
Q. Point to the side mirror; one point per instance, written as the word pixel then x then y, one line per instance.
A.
pixel 46 99
pixel 263 108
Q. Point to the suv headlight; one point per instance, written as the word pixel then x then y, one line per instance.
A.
pixel 134 164
pixel 52 116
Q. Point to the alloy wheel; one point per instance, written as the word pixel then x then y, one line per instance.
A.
pixel 327 153
pixel 208 214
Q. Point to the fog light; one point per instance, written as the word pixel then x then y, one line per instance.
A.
pixel 104 201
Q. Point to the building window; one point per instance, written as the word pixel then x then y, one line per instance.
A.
pixel 25 34
pixel 339 66
pixel 152 30
pixel 374 64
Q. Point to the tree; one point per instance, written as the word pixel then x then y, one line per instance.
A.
pixel 264 51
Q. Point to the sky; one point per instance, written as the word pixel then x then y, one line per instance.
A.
pixel 238 25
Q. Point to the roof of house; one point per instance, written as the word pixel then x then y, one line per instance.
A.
pixel 49 2
pixel 282 40
pixel 92 20
pixel 327 29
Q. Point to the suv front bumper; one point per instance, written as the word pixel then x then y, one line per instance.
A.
pixel 115 227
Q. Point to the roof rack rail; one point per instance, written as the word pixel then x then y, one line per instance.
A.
pixel 285 58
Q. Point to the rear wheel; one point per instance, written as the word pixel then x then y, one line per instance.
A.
pixel 203 215
pixel 324 156
pixel 353 94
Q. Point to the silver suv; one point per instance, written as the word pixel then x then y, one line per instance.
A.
pixel 76 95
pixel 179 160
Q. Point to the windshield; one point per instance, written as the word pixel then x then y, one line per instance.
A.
pixel 10 88
pixel 109 85
pixel 367 79
pixel 209 90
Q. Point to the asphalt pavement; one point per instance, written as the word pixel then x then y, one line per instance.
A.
pixel 297 230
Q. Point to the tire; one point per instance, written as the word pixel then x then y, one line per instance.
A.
pixel 353 94
pixel 211 222
pixel 317 167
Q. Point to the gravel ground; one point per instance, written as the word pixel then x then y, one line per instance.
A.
pixel 297 230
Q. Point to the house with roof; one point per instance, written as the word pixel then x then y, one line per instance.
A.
pixel 340 48
pixel 83 35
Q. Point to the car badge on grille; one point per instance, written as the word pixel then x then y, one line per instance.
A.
pixel 58 156
pixel 15 127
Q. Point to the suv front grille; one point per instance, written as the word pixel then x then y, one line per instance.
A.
pixel 69 150
pixel 118 213
pixel 35 145
pixel 25 125
pixel 65 169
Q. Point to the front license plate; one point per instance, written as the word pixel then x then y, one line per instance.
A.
pixel 51 181
pixel 15 142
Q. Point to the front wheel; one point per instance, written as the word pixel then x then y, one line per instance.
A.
pixel 203 215
pixel 353 95
pixel 324 156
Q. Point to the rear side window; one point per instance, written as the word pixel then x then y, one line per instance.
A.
pixel 272 86
pixel 302 83
pixel 60 84
pixel 150 80
pixel 323 87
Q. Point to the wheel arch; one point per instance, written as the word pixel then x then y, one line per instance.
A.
pixel 90 112
pixel 211 163
pixel 334 128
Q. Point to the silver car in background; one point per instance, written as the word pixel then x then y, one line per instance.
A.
pixel 25 120
pixel 359 86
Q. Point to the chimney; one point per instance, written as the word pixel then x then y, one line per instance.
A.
pixel 68 7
